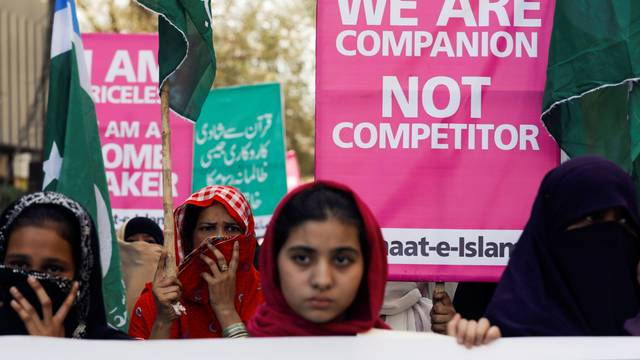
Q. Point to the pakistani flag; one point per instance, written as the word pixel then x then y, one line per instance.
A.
pixel 592 98
pixel 73 158
pixel 186 55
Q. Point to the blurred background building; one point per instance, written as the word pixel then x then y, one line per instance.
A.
pixel 24 54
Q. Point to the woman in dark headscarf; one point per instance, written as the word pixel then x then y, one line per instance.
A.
pixel 143 229
pixel 323 266
pixel 140 241
pixel 50 277
pixel 573 271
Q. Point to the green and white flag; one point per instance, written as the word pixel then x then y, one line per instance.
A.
pixel 73 157
pixel 592 98
pixel 185 54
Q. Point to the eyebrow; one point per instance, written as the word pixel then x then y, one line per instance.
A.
pixel 18 257
pixel 215 223
pixel 336 250
pixel 347 249
pixel 55 260
pixel 301 248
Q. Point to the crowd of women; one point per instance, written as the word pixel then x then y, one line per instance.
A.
pixel 575 270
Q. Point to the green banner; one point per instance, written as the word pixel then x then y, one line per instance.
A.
pixel 239 141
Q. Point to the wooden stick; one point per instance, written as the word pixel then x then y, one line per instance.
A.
pixel 167 180
pixel 167 193
pixel 439 287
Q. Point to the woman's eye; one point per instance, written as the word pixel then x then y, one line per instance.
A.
pixel 301 259
pixel 22 265
pixel 208 228
pixel 54 269
pixel 342 261
pixel 233 228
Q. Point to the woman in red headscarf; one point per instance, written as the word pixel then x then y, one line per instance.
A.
pixel 323 266
pixel 216 283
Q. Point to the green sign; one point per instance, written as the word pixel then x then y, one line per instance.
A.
pixel 239 141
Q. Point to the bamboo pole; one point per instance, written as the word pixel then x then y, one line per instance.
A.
pixel 167 186
pixel 171 267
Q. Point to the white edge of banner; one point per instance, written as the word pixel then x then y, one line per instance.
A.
pixel 450 247
pixel 628 80
pixel 376 344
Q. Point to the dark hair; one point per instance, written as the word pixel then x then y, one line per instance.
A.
pixel 188 226
pixel 55 217
pixel 318 203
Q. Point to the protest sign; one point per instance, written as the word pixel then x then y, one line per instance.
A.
pixel 430 111
pixel 379 345
pixel 239 141
pixel 124 77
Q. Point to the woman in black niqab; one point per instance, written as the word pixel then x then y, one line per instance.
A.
pixel 574 270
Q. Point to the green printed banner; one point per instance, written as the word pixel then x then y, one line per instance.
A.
pixel 239 141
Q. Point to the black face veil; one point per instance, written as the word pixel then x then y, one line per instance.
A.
pixel 579 282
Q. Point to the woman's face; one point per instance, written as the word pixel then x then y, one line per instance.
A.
pixel 144 237
pixel 40 248
pixel 213 222
pixel 320 267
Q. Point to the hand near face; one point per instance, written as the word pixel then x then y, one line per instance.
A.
pixel 50 324
pixel 167 290
pixel 222 284
pixel 442 312
pixel 472 333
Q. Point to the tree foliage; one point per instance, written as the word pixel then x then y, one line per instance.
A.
pixel 255 41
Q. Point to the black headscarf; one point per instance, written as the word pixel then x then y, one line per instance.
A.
pixel 142 225
pixel 579 282
pixel 88 315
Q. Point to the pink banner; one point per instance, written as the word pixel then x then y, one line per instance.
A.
pixel 430 110
pixel 124 78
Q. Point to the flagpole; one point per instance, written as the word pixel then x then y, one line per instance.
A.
pixel 171 267
pixel 167 179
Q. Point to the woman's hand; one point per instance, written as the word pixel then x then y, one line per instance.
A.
pixel 167 290
pixel 222 285
pixel 472 333
pixel 49 324
pixel 442 312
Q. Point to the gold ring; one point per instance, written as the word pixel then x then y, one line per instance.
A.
pixel 224 268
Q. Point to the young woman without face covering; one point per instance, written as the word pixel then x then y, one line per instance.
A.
pixel 216 282
pixel 323 266
pixel 574 270
pixel 50 277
